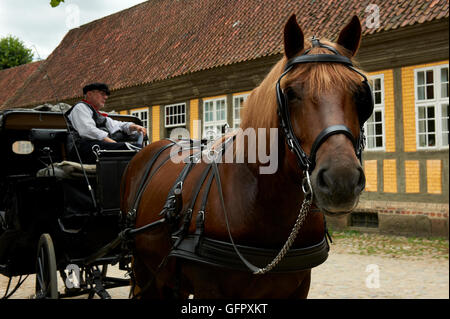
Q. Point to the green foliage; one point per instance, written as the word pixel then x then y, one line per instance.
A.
pixel 55 3
pixel 13 52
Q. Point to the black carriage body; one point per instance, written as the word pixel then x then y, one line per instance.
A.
pixel 31 205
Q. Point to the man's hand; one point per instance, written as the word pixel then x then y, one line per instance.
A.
pixel 135 127
pixel 109 140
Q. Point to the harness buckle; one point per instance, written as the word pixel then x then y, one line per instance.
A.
pixel 306 186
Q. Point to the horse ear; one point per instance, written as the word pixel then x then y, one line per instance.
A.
pixel 350 36
pixel 293 38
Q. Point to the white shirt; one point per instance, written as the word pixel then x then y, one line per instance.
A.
pixel 83 121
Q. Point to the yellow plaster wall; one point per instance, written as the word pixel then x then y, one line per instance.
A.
pixel 370 170
pixel 412 177
pixel 434 179
pixel 155 123
pixel 194 116
pixel 390 176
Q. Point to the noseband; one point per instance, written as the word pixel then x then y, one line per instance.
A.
pixel 307 163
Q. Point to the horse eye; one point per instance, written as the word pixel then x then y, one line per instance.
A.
pixel 291 95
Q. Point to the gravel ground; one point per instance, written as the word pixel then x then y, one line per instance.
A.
pixel 360 266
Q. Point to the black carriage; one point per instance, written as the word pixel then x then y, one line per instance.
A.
pixel 56 213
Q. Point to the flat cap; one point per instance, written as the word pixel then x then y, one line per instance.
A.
pixel 96 86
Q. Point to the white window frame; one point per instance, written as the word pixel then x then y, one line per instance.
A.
pixel 436 102
pixel 237 121
pixel 139 113
pixel 174 115
pixel 377 108
pixel 214 122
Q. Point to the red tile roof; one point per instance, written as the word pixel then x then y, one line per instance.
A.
pixel 162 39
pixel 12 79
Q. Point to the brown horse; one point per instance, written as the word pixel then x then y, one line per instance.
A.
pixel 261 208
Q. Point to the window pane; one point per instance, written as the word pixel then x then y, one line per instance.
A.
pixel 421 112
pixel 444 82
pixel 370 142
pixel 431 140
pixel 420 78
pixel 421 93
pixel 377 116
pixel 444 89
pixel 378 129
pixel 370 129
pixel 445 116
pixel 430 112
pixel 445 124
pixel 378 98
pixel 422 126
pixel 377 84
pixel 430 76
pixel 431 126
pixel 444 75
pixel 430 92
pixel 422 140
pixel 379 141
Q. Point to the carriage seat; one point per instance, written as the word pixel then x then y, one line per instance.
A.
pixel 48 135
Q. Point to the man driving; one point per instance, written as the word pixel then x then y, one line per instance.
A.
pixel 92 127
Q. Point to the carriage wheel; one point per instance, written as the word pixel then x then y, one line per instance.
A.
pixel 46 280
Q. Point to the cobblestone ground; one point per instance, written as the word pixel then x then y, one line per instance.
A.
pixel 349 273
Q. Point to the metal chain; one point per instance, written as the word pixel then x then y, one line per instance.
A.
pixel 308 198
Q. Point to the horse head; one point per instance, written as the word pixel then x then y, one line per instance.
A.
pixel 323 102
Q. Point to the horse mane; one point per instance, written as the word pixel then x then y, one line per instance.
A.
pixel 260 108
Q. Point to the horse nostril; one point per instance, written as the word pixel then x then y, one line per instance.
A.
pixel 322 179
pixel 361 181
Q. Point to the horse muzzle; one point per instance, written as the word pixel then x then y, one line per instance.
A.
pixel 337 187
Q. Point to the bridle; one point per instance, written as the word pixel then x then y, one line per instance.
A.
pixel 364 103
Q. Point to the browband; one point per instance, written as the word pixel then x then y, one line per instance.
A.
pixel 332 58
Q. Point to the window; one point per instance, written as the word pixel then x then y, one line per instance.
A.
pixel 431 95
pixel 238 102
pixel 214 117
pixel 142 115
pixel 374 127
pixel 175 115
pixel 358 219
